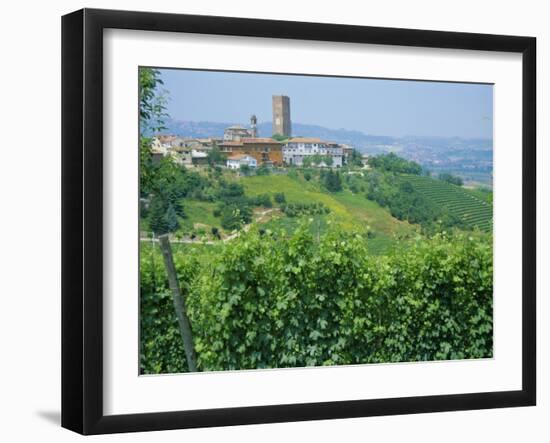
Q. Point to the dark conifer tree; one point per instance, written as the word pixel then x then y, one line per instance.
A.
pixel 157 221
pixel 171 219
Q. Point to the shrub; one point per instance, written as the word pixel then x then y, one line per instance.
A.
pixel 263 170
pixel 452 179
pixel 245 169
pixel 264 200
pixel 299 209
pixel 233 216
pixel 231 219
pixel 279 197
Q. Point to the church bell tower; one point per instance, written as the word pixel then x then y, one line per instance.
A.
pixel 253 127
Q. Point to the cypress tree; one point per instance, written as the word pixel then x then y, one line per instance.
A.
pixel 157 221
pixel 171 219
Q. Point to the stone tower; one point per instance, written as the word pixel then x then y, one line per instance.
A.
pixel 253 126
pixel 281 115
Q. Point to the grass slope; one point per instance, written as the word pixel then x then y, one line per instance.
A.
pixel 351 211
pixel 348 210
pixel 199 212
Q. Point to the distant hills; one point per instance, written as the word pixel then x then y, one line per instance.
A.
pixel 471 158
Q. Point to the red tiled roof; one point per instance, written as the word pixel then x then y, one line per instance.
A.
pixel 259 140
pixel 238 157
pixel 305 140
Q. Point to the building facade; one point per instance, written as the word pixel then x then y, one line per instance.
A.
pixel 266 151
pixel 347 152
pixel 281 115
pixel 236 161
pixel 236 133
pixel 297 149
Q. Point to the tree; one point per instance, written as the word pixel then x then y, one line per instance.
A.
pixel 152 101
pixel 317 159
pixel 279 137
pixel 355 158
pixel 152 108
pixel 393 163
pixel 452 179
pixel 146 167
pixel 333 181
pixel 231 218
pixel 230 190
pixel 171 219
pixel 306 162
pixel 157 221
pixel 173 195
pixel 215 156
pixel 280 197
pixel 245 169
pixel 264 200
pixel 328 160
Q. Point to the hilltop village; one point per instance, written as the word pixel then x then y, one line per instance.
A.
pixel 243 147
pixel 225 184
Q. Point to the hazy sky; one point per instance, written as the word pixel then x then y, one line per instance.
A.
pixel 378 107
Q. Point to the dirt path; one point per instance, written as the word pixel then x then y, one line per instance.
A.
pixel 260 218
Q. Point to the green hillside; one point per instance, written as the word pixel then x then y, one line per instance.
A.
pixel 459 201
pixel 351 211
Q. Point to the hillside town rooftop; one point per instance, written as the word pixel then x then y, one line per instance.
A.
pixel 305 140
pixel 238 157
pixel 260 140
pixel 252 140
pixel 310 140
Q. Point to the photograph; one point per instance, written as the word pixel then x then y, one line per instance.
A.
pixel 271 222
pixel 291 221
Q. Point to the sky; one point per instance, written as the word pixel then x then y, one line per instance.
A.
pixel 373 106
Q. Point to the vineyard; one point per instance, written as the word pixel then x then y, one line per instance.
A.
pixel 270 301
pixel 296 267
pixel 474 211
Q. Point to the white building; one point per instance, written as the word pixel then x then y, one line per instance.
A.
pixel 296 149
pixel 236 161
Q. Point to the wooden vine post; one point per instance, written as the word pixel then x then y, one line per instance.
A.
pixel 179 303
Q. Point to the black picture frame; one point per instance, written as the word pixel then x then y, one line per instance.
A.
pixel 82 218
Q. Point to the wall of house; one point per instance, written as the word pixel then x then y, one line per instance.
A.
pixel 272 152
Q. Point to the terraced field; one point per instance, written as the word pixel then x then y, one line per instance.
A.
pixel 460 202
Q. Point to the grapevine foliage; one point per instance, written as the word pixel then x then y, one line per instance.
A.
pixel 266 301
